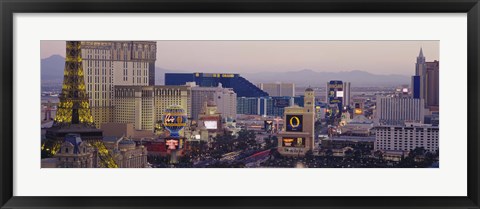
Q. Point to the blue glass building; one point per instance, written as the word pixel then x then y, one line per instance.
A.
pixel 240 85
pixel 416 86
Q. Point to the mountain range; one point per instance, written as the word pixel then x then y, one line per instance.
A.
pixel 52 72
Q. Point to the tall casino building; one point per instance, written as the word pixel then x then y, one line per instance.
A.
pixel 110 63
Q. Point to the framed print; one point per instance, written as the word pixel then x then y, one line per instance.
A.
pixel 263 104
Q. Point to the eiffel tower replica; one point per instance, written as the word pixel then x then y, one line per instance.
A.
pixel 73 111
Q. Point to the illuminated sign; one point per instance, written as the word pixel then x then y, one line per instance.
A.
pixel 173 144
pixel 228 75
pixel 281 102
pixel 177 120
pixel 210 124
pixel 339 93
pixel 293 142
pixel 335 101
pixel 358 111
pixel 294 123
pixel 174 119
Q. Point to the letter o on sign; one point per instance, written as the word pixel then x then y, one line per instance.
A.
pixel 294 121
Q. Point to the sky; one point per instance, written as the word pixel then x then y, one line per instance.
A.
pixel 377 57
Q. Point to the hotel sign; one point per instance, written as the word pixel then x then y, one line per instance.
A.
pixel 293 142
pixel 294 123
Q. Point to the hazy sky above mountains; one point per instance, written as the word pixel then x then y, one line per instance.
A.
pixel 377 57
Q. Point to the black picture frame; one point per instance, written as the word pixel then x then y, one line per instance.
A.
pixel 10 7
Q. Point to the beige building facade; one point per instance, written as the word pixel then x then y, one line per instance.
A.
pixel 110 63
pixel 406 138
pixel 278 89
pixel 144 105
pixel 297 136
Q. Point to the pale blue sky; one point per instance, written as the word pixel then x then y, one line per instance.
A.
pixel 378 57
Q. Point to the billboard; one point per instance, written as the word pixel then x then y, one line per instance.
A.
pixel 210 124
pixel 335 94
pixel 294 123
pixel 293 142
pixel 281 102
pixel 339 94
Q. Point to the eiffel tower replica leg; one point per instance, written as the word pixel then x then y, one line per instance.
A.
pixel 73 111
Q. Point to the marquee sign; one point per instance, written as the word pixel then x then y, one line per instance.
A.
pixel 173 144
pixel 294 123
pixel 293 142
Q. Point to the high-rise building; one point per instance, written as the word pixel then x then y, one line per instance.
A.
pixel 297 137
pixel 278 89
pixel 224 98
pixel 415 86
pixel 241 86
pixel 425 82
pixel 335 95
pixel 398 110
pixel 432 84
pixel 421 71
pixel 267 106
pixel 226 101
pixel 248 105
pixel 110 63
pixel 144 105
pixel 406 137
pixel 346 94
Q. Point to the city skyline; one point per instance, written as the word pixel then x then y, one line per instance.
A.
pixel 110 113
pixel 283 56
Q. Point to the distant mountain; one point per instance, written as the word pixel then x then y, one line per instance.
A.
pixel 52 69
pixel 52 73
pixel 309 77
